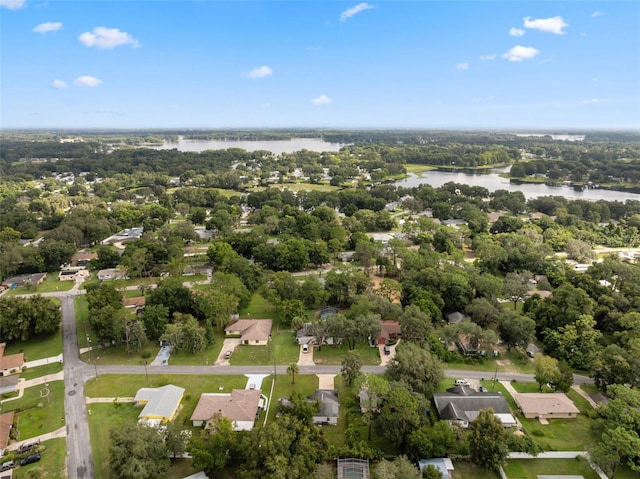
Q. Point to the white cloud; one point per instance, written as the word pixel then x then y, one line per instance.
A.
pixel 591 101
pixel 47 27
pixel 519 53
pixel 516 32
pixel 321 100
pixel 462 66
pixel 491 56
pixel 107 38
pixel 59 84
pixel 597 14
pixel 261 72
pixel 86 80
pixel 12 4
pixel 551 25
pixel 361 7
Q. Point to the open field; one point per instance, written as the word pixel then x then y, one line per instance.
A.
pixel 467 470
pixel 530 468
pixel 335 354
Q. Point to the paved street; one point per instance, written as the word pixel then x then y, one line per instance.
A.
pixel 79 457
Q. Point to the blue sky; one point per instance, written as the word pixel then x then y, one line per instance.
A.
pixel 390 64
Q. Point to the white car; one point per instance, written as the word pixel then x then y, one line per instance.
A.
pixel 305 348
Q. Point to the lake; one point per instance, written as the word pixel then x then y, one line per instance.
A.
pixel 490 180
pixel 274 146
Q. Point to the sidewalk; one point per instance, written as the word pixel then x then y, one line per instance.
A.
pixel 24 384
pixel 58 433
pixel 43 361
pixel 89 400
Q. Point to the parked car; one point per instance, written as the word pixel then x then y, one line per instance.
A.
pixel 387 351
pixel 305 348
pixel 7 465
pixel 30 459
pixel 483 389
pixel 530 354
pixel 227 355
pixel 461 382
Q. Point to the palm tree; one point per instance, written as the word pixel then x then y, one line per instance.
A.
pixel 293 369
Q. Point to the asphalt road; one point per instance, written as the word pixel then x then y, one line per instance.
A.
pixel 79 457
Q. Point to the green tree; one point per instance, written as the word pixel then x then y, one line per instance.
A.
pixel 351 366
pixel 546 370
pixel 402 413
pixel 516 330
pixel 399 467
pixel 373 390
pixel 487 441
pixel 431 441
pixel 617 447
pixel 137 451
pixel 290 309
pixel 417 368
pixel 293 370
pixel 415 325
pixel 215 452
pixel 155 318
pixel 516 286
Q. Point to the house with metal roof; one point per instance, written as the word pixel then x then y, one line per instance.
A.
pixel 159 405
pixel 462 404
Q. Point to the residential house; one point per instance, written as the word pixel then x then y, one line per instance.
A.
pixel 546 405
pixel 25 280
pixel 111 274
pixel 443 464
pixel 197 475
pixel 329 407
pixel 6 424
pixel 81 259
pixel 73 275
pixel 159 405
pixel 461 405
pixel 125 236
pixel 456 317
pixel 240 407
pixel 390 330
pixel 137 303
pixel 254 332
pixel 11 364
pixel 9 384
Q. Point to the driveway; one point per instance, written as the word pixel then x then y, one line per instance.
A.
pixel 386 358
pixel 162 358
pixel 325 381
pixel 229 344
pixel 306 359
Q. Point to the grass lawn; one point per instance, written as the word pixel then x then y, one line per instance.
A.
pixel 119 354
pixel 530 468
pixel 283 348
pixel 466 470
pixel 52 464
pixel 81 308
pixel 559 434
pixel 126 386
pixel 31 373
pixel 334 355
pixel 305 385
pixel 49 285
pixel 530 387
pixel 38 347
pixel 36 416
pixel 589 388
pixel 580 402
pixel 260 308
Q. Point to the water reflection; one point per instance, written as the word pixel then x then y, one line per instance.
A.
pixel 490 180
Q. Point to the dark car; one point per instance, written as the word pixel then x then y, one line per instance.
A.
pixel 387 351
pixel 30 459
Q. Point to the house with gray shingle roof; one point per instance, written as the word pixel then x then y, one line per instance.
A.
pixel 461 405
